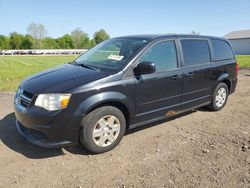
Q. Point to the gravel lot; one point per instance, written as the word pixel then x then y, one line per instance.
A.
pixel 197 149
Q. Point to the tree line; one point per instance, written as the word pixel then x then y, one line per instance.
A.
pixel 36 38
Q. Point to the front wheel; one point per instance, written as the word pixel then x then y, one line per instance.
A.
pixel 219 97
pixel 102 129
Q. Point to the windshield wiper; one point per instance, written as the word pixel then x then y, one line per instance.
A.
pixel 73 62
pixel 88 66
pixel 83 65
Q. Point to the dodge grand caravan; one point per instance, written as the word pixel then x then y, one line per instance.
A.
pixel 123 83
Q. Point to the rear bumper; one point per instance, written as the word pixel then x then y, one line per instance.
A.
pixel 233 86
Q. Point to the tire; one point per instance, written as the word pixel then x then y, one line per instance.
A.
pixel 102 129
pixel 215 104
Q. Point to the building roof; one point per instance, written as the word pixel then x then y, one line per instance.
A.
pixel 238 34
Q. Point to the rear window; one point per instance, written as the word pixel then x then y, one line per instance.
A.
pixel 222 50
pixel 195 52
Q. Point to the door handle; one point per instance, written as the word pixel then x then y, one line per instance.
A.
pixel 176 77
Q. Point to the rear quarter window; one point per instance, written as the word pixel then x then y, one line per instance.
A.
pixel 222 50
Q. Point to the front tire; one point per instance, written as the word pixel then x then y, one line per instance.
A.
pixel 220 97
pixel 102 129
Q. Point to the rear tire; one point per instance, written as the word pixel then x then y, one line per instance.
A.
pixel 102 129
pixel 220 97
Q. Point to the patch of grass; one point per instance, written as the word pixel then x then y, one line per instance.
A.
pixel 243 60
pixel 13 69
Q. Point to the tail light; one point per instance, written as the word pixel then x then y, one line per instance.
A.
pixel 237 68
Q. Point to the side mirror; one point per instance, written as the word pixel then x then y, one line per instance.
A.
pixel 144 68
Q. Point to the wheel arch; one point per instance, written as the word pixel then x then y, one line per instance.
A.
pixel 225 79
pixel 115 99
pixel 122 107
pixel 228 83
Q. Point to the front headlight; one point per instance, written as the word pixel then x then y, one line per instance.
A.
pixel 53 102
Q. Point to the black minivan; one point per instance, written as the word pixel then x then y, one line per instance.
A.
pixel 123 83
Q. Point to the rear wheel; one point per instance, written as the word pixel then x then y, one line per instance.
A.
pixel 219 97
pixel 102 129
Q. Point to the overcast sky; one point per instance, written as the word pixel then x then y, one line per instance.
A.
pixel 123 17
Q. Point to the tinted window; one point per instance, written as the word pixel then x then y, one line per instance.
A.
pixel 195 52
pixel 222 50
pixel 163 55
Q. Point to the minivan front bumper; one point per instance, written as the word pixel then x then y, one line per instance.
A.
pixel 38 138
pixel 47 129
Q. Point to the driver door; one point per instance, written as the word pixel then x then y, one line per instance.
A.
pixel 160 93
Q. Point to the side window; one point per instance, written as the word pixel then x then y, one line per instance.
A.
pixel 163 55
pixel 195 52
pixel 222 50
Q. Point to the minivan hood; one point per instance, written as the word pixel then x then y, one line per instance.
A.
pixel 60 79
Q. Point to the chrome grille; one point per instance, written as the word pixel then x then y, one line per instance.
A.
pixel 24 98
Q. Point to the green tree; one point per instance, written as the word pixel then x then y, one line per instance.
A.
pixel 92 43
pixel 100 36
pixel 60 43
pixel 49 43
pixel 38 32
pixel 85 42
pixel 65 42
pixel 16 40
pixel 80 38
pixel 36 39
pixel 27 42
pixel 4 42
pixel 68 42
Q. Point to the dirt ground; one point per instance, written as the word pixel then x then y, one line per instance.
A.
pixel 197 149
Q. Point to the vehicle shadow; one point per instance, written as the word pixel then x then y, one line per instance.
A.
pixel 11 138
pixel 203 109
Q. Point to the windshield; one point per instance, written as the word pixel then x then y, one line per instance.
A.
pixel 112 54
